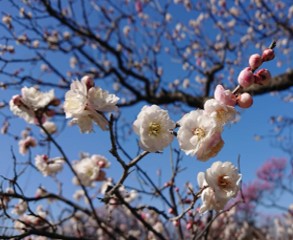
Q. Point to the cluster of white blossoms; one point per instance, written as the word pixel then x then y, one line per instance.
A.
pixel 199 131
pixel 20 208
pixel 49 166
pixel 89 169
pixel 38 220
pixel 33 105
pixel 219 184
pixel 85 104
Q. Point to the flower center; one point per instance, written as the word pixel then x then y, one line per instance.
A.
pixel 223 181
pixel 199 132
pixel 154 129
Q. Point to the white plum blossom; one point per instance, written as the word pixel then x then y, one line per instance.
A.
pixel 50 127
pixel 200 135
pixel 153 126
pixel 89 170
pixel 219 184
pixel 210 201
pixel 221 112
pixel 29 102
pixel 48 166
pixel 20 207
pixel 31 221
pixel 224 179
pixel 86 104
pixel 26 143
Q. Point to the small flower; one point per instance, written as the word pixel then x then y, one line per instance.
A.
pixel 153 126
pixel 200 135
pixel 26 143
pixel 50 127
pixel 221 112
pixel 89 169
pixel 20 207
pixel 224 96
pixel 210 201
pixel 31 103
pixel 86 104
pixel 48 167
pixel 224 179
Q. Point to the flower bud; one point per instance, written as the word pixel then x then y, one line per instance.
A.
pixel 17 100
pixel 244 100
pixel 171 210
pixel 255 61
pixel 268 54
pixel 263 77
pixel 246 78
pixel 89 82
pixel 189 225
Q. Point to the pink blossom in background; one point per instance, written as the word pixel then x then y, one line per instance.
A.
pixel 272 169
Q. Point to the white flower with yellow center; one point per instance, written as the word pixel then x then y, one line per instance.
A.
pixel 153 125
pixel 200 135
pixel 224 179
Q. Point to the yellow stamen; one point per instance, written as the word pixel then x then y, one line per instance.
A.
pixel 154 129
pixel 199 132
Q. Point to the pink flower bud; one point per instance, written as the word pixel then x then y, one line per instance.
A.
pixel 176 223
pixel 189 225
pixel 268 54
pixel 262 77
pixel 246 78
pixel 224 96
pixel 171 210
pixel 17 100
pixel 102 164
pixel 89 82
pixel 138 6
pixel 255 61
pixel 244 100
